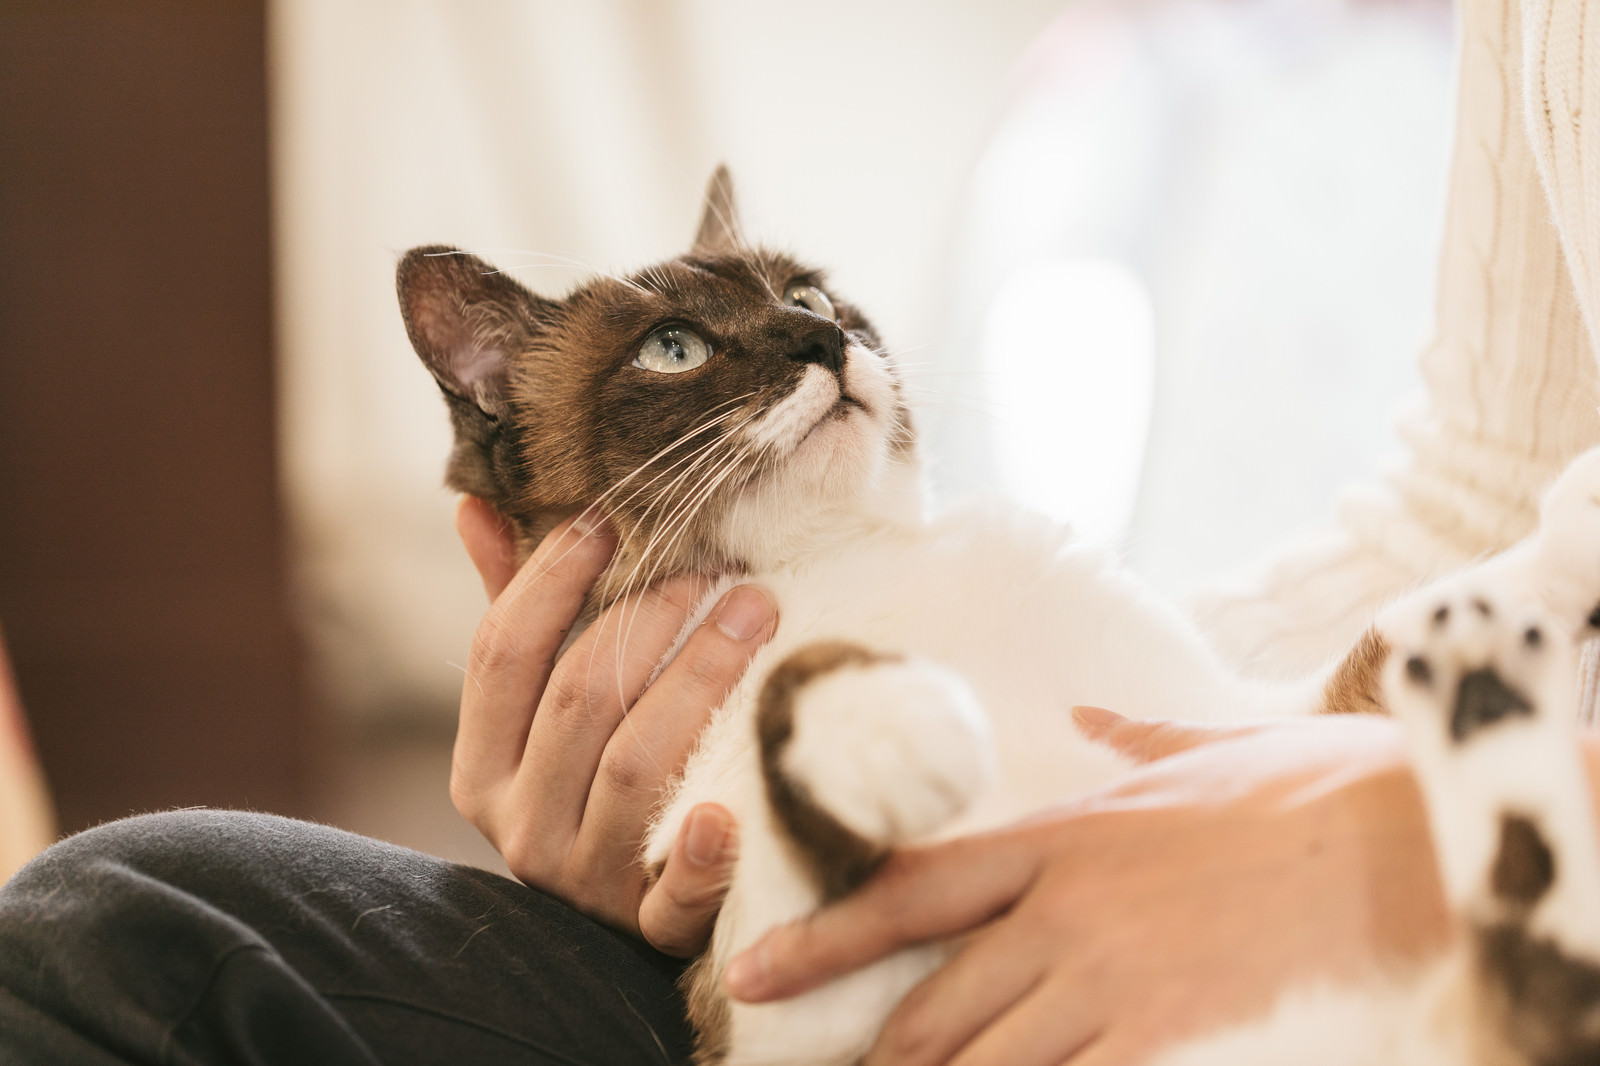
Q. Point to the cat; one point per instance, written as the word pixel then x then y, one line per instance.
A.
pixel 732 414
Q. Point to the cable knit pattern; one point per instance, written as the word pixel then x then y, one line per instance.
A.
pixel 1510 371
pixel 1561 80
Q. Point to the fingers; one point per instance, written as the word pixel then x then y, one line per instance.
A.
pixel 651 745
pixel 1147 741
pixel 1112 1049
pixel 679 910
pixel 997 968
pixel 561 763
pixel 489 543
pixel 601 746
pixel 582 715
pixel 918 895
pixel 513 654
pixel 1042 1029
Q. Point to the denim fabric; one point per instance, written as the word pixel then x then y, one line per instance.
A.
pixel 224 937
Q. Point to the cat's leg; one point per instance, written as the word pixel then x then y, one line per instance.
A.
pixel 859 751
pixel 1558 567
pixel 862 751
pixel 1561 562
pixel 1485 690
pixel 856 752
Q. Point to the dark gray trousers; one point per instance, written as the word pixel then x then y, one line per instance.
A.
pixel 222 937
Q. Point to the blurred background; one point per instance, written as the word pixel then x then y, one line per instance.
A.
pixel 1157 267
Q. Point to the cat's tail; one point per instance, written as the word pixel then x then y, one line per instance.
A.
pixel 1486 690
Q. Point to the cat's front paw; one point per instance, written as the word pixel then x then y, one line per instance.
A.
pixel 868 751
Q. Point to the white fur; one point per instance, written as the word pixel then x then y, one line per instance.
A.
pixel 920 749
pixel 1388 1020
pixel 999 610
pixel 787 422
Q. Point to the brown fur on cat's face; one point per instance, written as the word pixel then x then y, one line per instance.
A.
pixel 552 412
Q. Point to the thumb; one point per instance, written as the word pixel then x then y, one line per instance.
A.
pixel 678 911
pixel 1147 741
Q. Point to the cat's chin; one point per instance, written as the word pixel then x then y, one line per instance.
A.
pixel 824 487
pixel 847 425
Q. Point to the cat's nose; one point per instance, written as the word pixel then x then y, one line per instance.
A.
pixel 823 345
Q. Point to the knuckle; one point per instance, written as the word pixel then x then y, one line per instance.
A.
pixel 575 705
pixel 466 799
pixel 527 861
pixel 494 647
pixel 671 931
pixel 624 772
pixel 707 671
pixel 695 896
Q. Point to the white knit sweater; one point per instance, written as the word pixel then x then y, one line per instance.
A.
pixel 1510 371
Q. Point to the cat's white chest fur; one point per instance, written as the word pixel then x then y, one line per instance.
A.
pixel 1006 625
pixel 959 593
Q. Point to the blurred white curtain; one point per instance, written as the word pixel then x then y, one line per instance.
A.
pixel 1269 176
pixel 556 137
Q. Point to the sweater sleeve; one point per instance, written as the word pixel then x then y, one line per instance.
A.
pixel 1510 370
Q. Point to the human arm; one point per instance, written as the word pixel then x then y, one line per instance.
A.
pixel 559 762
pixel 1184 897
pixel 27 822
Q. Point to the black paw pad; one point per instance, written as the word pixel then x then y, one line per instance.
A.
pixel 1483 699
pixel 1524 866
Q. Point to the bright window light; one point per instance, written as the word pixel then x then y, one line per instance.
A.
pixel 1068 352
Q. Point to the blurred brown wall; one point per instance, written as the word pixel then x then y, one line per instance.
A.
pixel 141 555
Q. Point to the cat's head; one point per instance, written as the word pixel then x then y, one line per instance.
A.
pixel 723 408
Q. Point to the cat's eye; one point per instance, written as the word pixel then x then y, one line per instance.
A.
pixel 672 350
pixel 812 299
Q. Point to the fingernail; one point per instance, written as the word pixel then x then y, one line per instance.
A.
pixel 1096 719
pixel 747 973
pixel 591 522
pixel 744 612
pixel 707 835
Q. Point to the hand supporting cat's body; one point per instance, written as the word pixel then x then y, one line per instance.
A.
pixel 728 415
pixel 894 751
pixel 1056 625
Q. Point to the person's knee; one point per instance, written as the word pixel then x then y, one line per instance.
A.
pixel 150 844
pixel 138 872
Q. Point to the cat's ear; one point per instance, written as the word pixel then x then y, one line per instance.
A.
pixel 719 219
pixel 467 321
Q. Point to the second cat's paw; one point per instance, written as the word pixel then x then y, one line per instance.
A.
pixel 1469 660
pixel 892 748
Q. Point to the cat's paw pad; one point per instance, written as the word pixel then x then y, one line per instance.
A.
pixel 1470 660
pixel 893 749
pixel 1566 569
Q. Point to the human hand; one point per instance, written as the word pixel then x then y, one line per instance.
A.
pixel 560 763
pixel 1184 897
